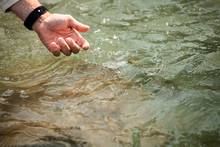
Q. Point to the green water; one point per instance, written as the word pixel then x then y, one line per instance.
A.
pixel 150 79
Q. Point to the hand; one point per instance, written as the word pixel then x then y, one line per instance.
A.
pixel 60 33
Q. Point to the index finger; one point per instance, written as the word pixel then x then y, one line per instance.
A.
pixel 83 43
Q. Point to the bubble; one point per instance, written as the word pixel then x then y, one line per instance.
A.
pixel 97 31
pixel 2 100
pixel 23 94
pixel 8 93
pixel 115 37
pixel 105 20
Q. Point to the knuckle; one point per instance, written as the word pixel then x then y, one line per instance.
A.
pixel 69 17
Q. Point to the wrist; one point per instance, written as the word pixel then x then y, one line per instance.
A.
pixel 37 24
pixel 34 16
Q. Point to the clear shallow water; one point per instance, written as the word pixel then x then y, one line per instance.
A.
pixel 150 79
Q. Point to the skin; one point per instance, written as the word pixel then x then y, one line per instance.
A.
pixel 58 32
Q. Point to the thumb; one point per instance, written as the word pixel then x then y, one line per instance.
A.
pixel 73 23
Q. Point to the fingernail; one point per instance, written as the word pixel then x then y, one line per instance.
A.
pixel 87 28
pixel 86 46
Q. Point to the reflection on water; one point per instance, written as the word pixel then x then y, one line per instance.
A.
pixel 150 79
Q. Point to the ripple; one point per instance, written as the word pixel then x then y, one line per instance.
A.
pixel 151 78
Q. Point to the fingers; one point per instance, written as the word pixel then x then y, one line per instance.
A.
pixel 84 44
pixel 74 24
pixel 64 46
pixel 54 48
pixel 73 46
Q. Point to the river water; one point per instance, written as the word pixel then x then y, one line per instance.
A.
pixel 151 78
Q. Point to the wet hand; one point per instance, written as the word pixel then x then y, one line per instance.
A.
pixel 60 33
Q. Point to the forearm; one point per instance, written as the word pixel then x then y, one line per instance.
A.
pixel 24 7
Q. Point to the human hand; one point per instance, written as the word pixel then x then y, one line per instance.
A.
pixel 60 33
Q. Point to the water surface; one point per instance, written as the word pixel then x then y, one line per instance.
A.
pixel 151 78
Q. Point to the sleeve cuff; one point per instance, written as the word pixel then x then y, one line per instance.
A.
pixel 5 4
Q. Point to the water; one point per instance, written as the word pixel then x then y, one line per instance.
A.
pixel 151 78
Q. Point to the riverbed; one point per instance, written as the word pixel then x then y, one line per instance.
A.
pixel 151 77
